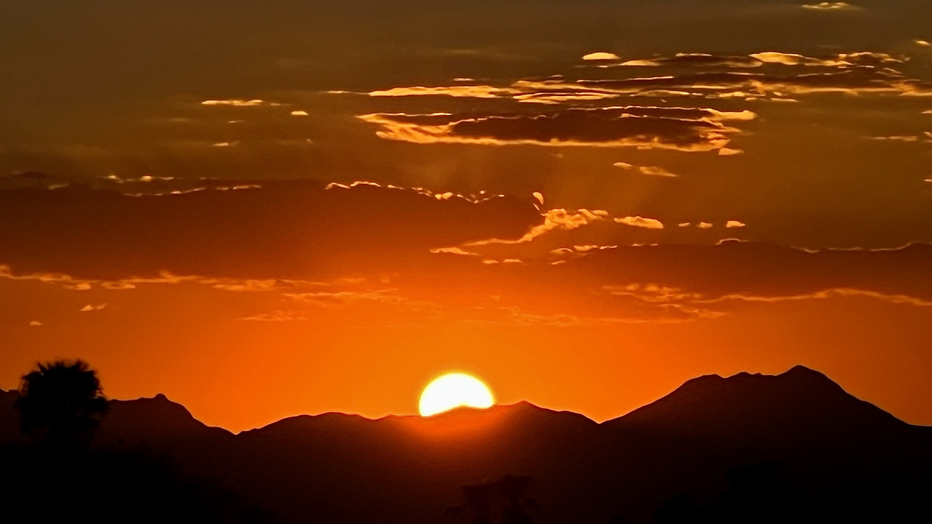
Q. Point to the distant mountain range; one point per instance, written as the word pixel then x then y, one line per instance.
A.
pixel 749 448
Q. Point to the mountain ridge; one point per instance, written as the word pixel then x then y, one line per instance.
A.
pixel 800 426
pixel 799 373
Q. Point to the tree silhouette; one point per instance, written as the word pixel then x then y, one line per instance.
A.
pixel 61 403
pixel 503 501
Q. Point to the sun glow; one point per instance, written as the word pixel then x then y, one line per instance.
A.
pixel 452 391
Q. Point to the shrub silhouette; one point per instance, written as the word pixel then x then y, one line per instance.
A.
pixel 61 404
pixel 503 501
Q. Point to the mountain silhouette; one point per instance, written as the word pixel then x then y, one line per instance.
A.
pixel 716 449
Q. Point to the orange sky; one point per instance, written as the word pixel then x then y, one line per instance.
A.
pixel 308 207
pixel 241 374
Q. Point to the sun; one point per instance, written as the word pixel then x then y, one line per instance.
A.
pixel 452 391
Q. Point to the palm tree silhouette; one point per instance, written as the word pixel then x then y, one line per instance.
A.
pixel 61 403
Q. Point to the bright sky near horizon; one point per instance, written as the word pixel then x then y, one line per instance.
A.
pixel 280 207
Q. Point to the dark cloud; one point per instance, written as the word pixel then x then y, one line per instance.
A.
pixel 281 230
pixel 605 283
pixel 753 271
pixel 396 248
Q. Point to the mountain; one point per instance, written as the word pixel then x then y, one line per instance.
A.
pixel 748 448
pixel 749 406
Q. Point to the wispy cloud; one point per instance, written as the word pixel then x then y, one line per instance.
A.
pixel 235 102
pixel 830 6
pixel 646 170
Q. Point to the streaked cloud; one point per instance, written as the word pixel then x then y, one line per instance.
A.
pixel 646 170
pixel 455 91
pixel 637 221
pixel 830 6
pixel 695 60
pixel 279 315
pixel 453 251
pixel 681 129
pixel 235 102
pixel 896 138
pixel 792 59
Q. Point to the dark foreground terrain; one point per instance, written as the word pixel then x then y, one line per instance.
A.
pixel 749 448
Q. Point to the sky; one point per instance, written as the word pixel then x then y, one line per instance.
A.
pixel 264 209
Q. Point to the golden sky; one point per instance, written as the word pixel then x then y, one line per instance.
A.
pixel 264 209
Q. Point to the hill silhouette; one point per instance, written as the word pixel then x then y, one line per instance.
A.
pixel 747 448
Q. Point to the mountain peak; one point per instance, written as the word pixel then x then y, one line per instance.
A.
pixel 749 406
pixel 152 419
pixel 802 371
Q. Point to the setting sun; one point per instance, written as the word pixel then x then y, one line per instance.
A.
pixel 452 391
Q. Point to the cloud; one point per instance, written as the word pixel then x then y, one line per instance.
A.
pixel 35 323
pixel 601 56
pixel 646 170
pixel 830 6
pixel 861 72
pixel 896 138
pixel 791 59
pixel 456 91
pixel 91 307
pixel 279 315
pixel 739 84
pixel 453 251
pixel 733 224
pixel 235 102
pixel 344 299
pixel 727 151
pixel 291 230
pixel 689 282
pixel 681 129
pixel 755 60
pixel 299 112
pixel 291 240
pixel 745 271
pixel 657 171
pixel 636 221
pixel 554 220
pixel 695 60
pixel 556 96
